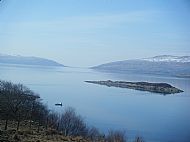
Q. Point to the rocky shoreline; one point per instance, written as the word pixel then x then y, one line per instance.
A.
pixel 161 88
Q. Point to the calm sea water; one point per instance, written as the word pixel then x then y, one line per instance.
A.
pixel 155 117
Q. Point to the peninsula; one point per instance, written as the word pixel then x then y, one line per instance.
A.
pixel 162 88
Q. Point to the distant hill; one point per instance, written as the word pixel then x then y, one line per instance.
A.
pixel 22 60
pixel 167 65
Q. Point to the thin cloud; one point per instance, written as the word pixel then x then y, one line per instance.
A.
pixel 82 23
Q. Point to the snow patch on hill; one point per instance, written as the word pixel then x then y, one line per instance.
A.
pixel 168 58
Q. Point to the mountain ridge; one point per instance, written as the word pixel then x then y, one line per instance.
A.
pixel 27 60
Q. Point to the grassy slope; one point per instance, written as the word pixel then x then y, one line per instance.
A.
pixel 27 135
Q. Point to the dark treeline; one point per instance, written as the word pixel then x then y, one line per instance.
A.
pixel 19 104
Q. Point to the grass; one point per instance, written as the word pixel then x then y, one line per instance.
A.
pixel 31 135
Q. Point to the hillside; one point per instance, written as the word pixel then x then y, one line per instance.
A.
pixel 22 60
pixel 32 135
pixel 159 65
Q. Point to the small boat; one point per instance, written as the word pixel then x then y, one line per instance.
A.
pixel 59 104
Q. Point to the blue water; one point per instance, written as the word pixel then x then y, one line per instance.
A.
pixel 155 117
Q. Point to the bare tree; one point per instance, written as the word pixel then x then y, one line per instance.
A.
pixel 40 113
pixel 139 139
pixel 95 135
pixel 53 120
pixel 15 102
pixel 72 124
pixel 116 136
pixel 5 109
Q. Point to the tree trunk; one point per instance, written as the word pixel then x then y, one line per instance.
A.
pixel 6 124
pixel 38 127
pixel 58 126
pixel 31 115
pixel 18 124
pixel 47 121
pixel 30 125
pixel 65 132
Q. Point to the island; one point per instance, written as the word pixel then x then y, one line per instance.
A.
pixel 161 88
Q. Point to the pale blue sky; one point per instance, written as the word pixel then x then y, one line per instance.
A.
pixel 90 32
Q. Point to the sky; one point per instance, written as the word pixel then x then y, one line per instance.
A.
pixel 86 33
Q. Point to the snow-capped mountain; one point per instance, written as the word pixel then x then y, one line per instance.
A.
pixel 168 58
pixel 159 65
